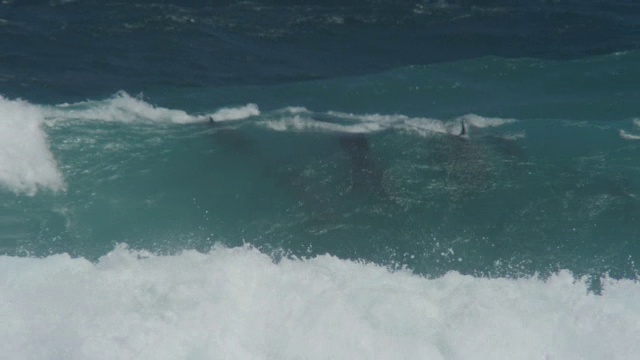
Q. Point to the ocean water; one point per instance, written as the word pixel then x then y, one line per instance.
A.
pixel 313 179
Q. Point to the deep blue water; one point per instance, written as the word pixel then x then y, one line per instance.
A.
pixel 281 155
pixel 65 50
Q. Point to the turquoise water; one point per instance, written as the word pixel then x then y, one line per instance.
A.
pixel 524 191
pixel 298 185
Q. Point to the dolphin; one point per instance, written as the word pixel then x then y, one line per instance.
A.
pixel 463 129
pixel 231 139
pixel 365 173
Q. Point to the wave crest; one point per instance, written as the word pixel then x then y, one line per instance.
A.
pixel 26 163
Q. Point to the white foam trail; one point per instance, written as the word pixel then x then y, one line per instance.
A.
pixel 26 164
pixel 127 109
pixel 296 110
pixel 119 108
pixel 367 123
pixel 628 136
pixel 377 118
pixel 238 113
pixel 237 304
pixel 302 123
pixel 484 122
pixel 428 127
pixel 515 136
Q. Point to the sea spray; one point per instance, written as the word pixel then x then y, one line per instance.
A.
pixel 26 163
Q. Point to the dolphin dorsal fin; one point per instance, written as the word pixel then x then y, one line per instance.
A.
pixel 463 128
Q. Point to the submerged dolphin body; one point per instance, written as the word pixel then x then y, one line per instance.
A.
pixel 509 149
pixel 232 140
pixel 365 174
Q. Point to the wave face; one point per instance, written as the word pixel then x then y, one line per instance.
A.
pixel 484 195
pixel 263 179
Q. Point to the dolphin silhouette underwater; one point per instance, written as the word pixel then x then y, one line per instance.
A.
pixel 366 175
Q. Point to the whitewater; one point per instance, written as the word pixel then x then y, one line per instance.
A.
pixel 237 303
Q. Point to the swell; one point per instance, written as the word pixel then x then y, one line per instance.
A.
pixel 506 198
pixel 369 168
pixel 71 50
pixel 597 88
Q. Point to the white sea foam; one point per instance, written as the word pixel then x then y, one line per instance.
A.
pixel 378 118
pixel 237 113
pixel 121 108
pixel 484 122
pixel 124 108
pixel 295 110
pixel 26 163
pixel 429 127
pixel 304 123
pixel 515 136
pixel 332 121
pixel 237 304
pixel 628 136
pixel 304 120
